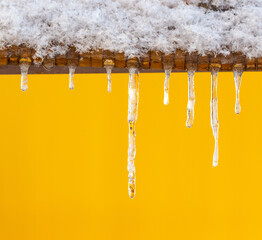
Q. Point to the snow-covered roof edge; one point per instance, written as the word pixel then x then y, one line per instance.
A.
pixel 133 26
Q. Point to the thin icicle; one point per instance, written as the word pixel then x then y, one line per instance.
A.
pixel 108 72
pixel 72 68
pixel 24 66
pixel 132 117
pixel 109 65
pixel 168 69
pixel 238 71
pixel 214 109
pixel 191 98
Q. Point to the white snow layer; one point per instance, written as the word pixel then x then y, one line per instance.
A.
pixel 132 26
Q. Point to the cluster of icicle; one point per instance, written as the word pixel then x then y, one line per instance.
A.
pixel 238 71
pixel 133 92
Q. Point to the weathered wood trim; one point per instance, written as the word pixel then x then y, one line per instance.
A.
pixel 93 61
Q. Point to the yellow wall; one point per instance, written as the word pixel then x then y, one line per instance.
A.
pixel 63 159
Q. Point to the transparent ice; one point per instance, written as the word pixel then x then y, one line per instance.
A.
pixel 72 69
pixel 109 65
pixel 24 66
pixel 214 111
pixel 238 71
pixel 191 98
pixel 168 70
pixel 132 117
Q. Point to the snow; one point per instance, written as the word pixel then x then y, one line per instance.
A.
pixel 132 26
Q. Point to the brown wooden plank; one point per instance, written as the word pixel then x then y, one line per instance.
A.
pixel 251 64
pixel 191 61
pixel 61 60
pixel 203 63
pixel 72 57
pixel 226 62
pixel 239 58
pixel 180 60
pixel 108 55
pixel 156 60
pixel 132 62
pixel 49 63
pixel 97 58
pixel 120 60
pixel 168 60
pixel 13 55
pixel 145 61
pixel 24 52
pixel 108 58
pixel 153 60
pixel 259 64
pixel 85 59
pixel 14 69
pixel 3 57
pixel 215 58
pixel 36 60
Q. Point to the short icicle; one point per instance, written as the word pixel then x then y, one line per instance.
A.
pixel 168 69
pixel 214 109
pixel 24 64
pixel 191 98
pixel 72 68
pixel 109 65
pixel 238 71
pixel 132 117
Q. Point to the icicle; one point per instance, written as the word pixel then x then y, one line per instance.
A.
pixel 72 68
pixel 191 98
pixel 238 71
pixel 109 65
pixel 214 109
pixel 168 69
pixel 132 117
pixel 24 66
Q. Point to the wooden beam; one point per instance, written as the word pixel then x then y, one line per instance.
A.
pixel 93 61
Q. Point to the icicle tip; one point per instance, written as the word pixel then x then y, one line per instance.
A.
pixel 215 164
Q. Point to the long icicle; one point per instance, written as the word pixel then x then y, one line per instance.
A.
pixel 168 69
pixel 191 98
pixel 72 68
pixel 24 64
pixel 238 71
pixel 132 117
pixel 214 109
pixel 109 65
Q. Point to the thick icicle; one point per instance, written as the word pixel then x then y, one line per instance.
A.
pixel 238 71
pixel 72 68
pixel 132 117
pixel 214 109
pixel 24 66
pixel 191 98
pixel 168 69
pixel 109 65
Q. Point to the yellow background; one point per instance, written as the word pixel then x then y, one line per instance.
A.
pixel 63 160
